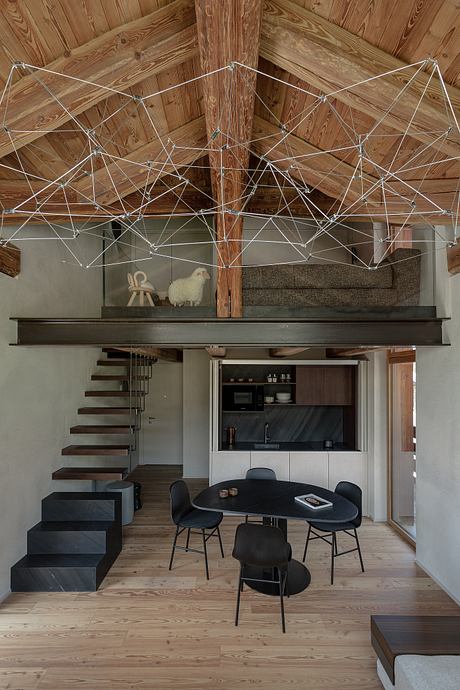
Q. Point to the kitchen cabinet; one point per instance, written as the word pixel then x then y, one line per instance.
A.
pixel 277 461
pixel 309 468
pixel 324 385
pixel 350 467
pixel 229 465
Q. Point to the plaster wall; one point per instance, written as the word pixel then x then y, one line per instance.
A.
pixel 41 388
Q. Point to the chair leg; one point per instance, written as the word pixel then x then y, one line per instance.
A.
pixel 205 553
pixel 359 551
pixel 333 552
pixel 188 539
pixel 282 581
pixel 173 548
pixel 306 543
pixel 238 596
pixel 220 542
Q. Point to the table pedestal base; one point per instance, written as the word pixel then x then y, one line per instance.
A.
pixel 298 579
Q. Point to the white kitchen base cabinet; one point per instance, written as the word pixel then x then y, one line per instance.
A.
pixel 228 465
pixel 324 469
pixel 349 467
pixel 309 468
pixel 279 462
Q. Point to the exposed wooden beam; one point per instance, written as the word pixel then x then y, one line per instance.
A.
pixel 310 163
pixel 229 32
pixel 335 353
pixel 328 57
pixel 117 179
pixel 118 59
pixel 453 259
pixel 10 260
pixel 281 352
pixel 217 352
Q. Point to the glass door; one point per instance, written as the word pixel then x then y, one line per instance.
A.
pixel 402 457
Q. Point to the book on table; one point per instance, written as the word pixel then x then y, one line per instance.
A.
pixel 313 501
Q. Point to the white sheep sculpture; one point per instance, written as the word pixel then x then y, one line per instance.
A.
pixel 189 289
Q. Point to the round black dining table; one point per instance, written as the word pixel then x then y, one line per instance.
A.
pixel 275 500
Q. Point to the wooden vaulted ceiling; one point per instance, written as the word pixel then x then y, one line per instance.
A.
pixel 142 46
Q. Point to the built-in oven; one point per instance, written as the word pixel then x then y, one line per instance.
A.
pixel 242 397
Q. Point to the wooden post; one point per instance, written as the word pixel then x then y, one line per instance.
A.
pixel 229 32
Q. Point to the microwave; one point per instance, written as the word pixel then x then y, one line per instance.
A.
pixel 242 397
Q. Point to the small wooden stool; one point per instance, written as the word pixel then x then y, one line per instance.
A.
pixel 140 289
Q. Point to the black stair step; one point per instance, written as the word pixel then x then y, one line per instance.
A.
pixel 60 572
pixel 70 537
pixel 81 506
pixel 102 450
pixel 102 429
pixel 113 394
pixel 105 410
pixel 112 363
pixel 115 377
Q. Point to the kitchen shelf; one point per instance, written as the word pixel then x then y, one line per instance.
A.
pixel 258 383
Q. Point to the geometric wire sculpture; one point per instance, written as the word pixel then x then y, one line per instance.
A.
pixel 377 173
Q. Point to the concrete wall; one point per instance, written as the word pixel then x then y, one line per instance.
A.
pixel 195 436
pixel 41 388
pixel 438 447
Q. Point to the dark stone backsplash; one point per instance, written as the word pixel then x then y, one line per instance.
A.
pixel 287 424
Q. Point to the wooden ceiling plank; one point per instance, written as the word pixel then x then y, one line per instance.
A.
pixel 265 136
pixel 118 59
pixel 329 57
pixel 122 177
pixel 229 32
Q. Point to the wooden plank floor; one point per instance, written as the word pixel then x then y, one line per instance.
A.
pixel 151 628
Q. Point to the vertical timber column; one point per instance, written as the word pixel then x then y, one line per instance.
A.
pixel 229 32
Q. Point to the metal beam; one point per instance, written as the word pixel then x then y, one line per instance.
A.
pixel 234 333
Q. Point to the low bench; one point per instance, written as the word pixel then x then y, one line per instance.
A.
pixel 417 652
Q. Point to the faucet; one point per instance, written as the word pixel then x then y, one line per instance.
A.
pixel 266 436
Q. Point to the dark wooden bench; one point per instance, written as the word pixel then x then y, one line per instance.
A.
pixel 429 635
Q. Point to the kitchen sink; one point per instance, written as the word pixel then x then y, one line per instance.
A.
pixel 266 446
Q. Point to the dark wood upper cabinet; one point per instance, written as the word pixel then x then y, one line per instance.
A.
pixel 325 385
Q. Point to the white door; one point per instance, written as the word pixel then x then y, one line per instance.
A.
pixel 276 461
pixel 310 468
pixel 160 439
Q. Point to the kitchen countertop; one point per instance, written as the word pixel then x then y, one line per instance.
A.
pixel 288 446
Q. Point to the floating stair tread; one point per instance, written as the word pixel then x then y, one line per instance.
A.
pixel 101 429
pixel 96 450
pixel 73 526
pixel 112 363
pixel 104 410
pixel 116 377
pixel 113 394
pixel 91 473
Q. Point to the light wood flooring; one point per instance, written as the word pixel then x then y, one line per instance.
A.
pixel 150 628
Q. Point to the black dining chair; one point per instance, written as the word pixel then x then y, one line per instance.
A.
pixel 354 494
pixel 262 546
pixel 194 520
pixel 260 473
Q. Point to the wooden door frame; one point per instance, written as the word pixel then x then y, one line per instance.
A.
pixel 395 356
